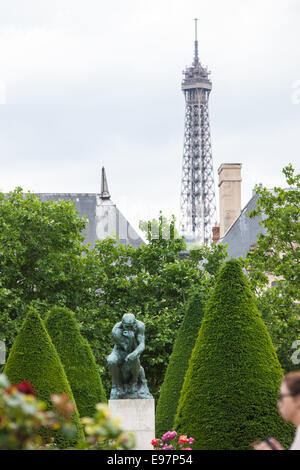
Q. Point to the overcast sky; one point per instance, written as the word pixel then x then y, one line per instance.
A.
pixel 87 83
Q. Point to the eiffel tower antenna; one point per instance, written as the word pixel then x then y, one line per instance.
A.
pixel 196 58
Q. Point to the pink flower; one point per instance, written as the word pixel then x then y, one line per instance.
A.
pixel 166 447
pixel 166 437
pixel 191 440
pixel 169 435
pixel 182 439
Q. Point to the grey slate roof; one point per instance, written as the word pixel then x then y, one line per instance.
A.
pixel 104 218
pixel 244 231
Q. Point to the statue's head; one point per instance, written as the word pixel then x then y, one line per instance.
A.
pixel 128 321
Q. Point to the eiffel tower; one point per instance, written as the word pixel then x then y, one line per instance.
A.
pixel 197 202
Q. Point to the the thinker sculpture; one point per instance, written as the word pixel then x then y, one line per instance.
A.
pixel 128 376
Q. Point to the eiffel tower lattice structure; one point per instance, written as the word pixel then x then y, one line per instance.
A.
pixel 197 202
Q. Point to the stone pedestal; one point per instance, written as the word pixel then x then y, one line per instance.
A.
pixel 136 416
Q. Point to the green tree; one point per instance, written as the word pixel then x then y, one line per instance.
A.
pixel 77 358
pixel 229 397
pixel 178 363
pixel 41 260
pixel 34 358
pixel 159 228
pixel 277 257
pixel 282 317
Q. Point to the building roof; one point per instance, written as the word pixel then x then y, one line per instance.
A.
pixel 103 217
pixel 243 233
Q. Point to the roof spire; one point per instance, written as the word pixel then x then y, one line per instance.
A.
pixel 104 187
pixel 196 58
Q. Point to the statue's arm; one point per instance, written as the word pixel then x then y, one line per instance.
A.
pixel 118 336
pixel 140 336
pixel 141 342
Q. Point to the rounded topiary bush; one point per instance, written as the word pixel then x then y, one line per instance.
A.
pixel 229 396
pixel 77 358
pixel 178 363
pixel 33 357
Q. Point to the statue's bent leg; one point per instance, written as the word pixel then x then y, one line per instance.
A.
pixel 135 373
pixel 144 391
pixel 114 367
pixel 142 376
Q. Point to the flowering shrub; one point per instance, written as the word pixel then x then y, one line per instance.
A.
pixel 170 441
pixel 23 417
pixel 103 432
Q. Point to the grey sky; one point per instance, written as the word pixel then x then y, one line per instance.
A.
pixel 91 83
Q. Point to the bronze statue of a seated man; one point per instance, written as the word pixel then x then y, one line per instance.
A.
pixel 128 376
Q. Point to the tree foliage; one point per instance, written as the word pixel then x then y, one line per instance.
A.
pixel 178 363
pixel 229 397
pixel 34 358
pixel 77 358
pixel 41 260
pixel 282 317
pixel 276 258
pixel 161 228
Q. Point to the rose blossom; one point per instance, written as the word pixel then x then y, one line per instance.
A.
pixel 183 439
pixel 166 436
pixel 166 447
pixel 23 387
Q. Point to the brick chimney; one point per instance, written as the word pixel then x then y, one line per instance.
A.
pixel 230 195
pixel 216 233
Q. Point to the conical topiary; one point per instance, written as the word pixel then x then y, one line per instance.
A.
pixel 230 390
pixel 33 357
pixel 178 364
pixel 77 358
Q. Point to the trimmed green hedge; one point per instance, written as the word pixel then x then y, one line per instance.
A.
pixel 178 364
pixel 33 357
pixel 77 358
pixel 230 391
